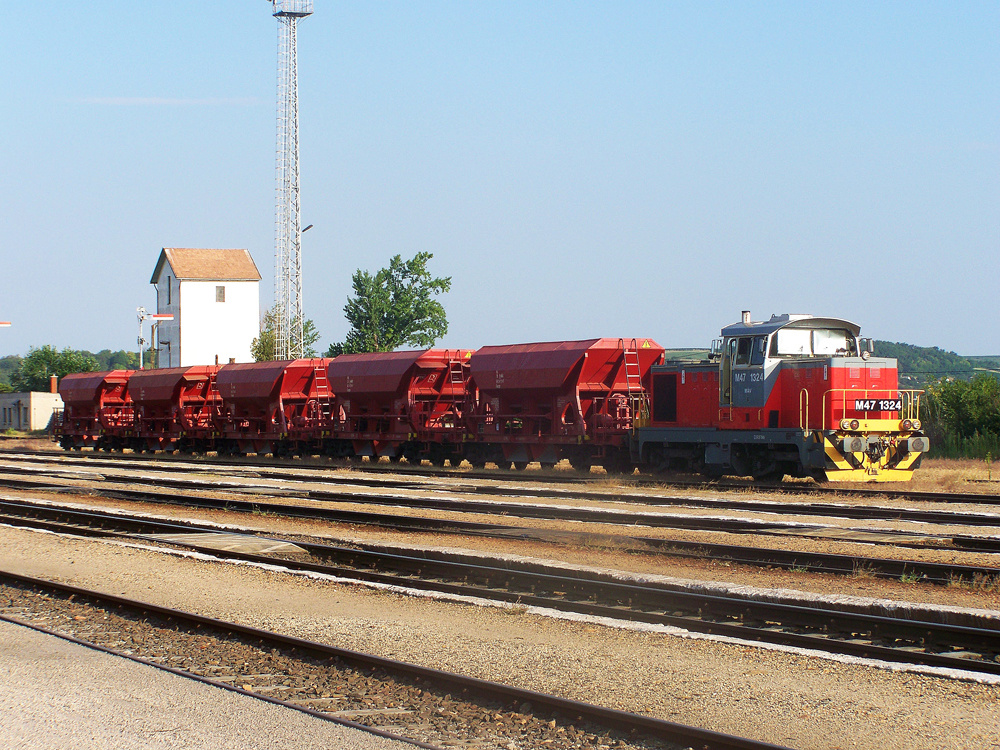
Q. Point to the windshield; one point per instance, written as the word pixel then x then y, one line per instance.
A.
pixel 810 342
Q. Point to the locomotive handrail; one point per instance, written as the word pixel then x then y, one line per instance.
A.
pixel 910 400
pixel 804 416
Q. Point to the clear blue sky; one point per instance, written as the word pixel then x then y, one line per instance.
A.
pixel 580 169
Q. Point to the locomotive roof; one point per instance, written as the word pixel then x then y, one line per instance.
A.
pixel 788 321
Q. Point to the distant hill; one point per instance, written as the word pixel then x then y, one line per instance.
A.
pixel 922 363
pixel 988 364
pixel 686 355
pixel 917 364
pixel 106 360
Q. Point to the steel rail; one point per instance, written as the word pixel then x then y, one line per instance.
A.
pixel 565 708
pixel 866 512
pixel 501 474
pixel 940 573
pixel 830 630
pixel 589 514
pixel 914 570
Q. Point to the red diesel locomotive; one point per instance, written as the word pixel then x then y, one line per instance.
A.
pixel 793 395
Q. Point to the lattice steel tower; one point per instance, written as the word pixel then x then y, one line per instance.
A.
pixel 287 225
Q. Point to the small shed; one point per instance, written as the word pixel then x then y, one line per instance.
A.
pixel 214 297
pixel 28 411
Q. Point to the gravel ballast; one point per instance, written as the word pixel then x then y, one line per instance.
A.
pixel 778 697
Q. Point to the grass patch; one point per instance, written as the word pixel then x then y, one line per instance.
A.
pixel 862 572
pixel 982 583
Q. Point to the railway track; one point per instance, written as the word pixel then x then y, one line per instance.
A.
pixel 851 512
pixel 911 570
pixel 391 698
pixel 938 573
pixel 923 637
pixel 403 475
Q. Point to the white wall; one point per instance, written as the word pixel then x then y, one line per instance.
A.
pixel 223 330
pixel 203 328
pixel 28 411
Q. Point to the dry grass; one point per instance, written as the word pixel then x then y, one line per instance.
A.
pixel 943 475
pixel 980 582
pixel 954 474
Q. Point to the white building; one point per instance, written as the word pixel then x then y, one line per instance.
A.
pixel 214 298
pixel 28 411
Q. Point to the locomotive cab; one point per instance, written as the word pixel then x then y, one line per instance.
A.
pixel 816 376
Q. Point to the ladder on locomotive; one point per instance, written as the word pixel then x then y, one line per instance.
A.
pixel 637 397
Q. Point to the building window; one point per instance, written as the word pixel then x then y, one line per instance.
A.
pixel 220 294
pixel 168 290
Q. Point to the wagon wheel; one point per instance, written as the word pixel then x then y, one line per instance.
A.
pixel 619 464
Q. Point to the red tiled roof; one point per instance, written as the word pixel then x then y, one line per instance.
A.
pixel 207 263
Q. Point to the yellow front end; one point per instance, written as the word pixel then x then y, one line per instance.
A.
pixel 874 450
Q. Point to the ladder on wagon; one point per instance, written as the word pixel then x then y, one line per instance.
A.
pixel 322 386
pixel 637 398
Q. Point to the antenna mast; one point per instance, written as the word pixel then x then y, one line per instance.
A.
pixel 287 225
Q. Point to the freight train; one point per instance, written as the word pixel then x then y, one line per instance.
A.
pixel 795 395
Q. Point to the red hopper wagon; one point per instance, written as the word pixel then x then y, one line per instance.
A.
pixel 399 404
pixel 96 412
pixel 273 407
pixel 174 408
pixel 566 399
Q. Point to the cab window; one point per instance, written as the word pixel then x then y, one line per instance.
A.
pixel 758 350
pixel 743 351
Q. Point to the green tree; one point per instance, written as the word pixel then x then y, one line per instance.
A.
pixel 40 364
pixel 394 307
pixel 120 360
pixel 263 348
pixel 963 416
pixel 8 365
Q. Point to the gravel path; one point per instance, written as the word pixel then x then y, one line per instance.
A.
pixel 54 695
pixel 779 697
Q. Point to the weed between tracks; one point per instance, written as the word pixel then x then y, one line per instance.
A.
pixel 862 572
pixel 980 582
